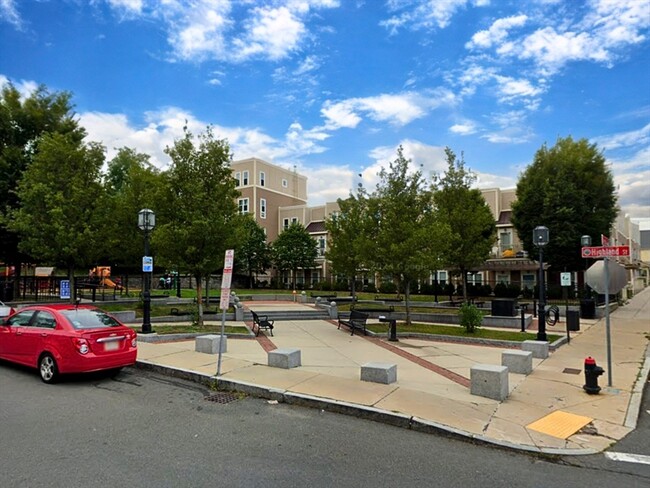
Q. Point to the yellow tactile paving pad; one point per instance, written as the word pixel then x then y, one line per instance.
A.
pixel 560 424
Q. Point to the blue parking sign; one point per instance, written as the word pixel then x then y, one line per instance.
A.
pixel 64 289
pixel 147 264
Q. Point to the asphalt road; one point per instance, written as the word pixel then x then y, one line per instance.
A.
pixel 146 430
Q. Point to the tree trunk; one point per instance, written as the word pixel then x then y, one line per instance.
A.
pixel 407 294
pixel 463 273
pixel 72 286
pixel 354 282
pixel 199 301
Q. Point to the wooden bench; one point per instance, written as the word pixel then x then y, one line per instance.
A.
pixel 357 320
pixel 262 322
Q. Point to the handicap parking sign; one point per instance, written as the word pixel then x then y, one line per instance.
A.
pixel 64 289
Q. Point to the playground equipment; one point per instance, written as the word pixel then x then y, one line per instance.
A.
pixel 103 273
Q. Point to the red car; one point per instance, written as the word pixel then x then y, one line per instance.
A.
pixel 65 338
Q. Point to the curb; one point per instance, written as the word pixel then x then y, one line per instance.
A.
pixel 352 409
pixel 634 407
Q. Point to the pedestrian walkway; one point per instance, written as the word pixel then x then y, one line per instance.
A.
pixel 546 411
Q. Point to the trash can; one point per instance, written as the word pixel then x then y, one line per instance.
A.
pixel 588 308
pixel 573 320
pixel 504 307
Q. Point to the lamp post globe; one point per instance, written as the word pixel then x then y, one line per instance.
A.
pixel 540 239
pixel 146 223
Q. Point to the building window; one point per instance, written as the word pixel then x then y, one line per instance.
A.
pixel 505 241
pixel 285 224
pixel 285 183
pixel 263 208
pixel 294 220
pixel 245 178
pixel 262 178
pixel 442 277
pixel 238 178
pixel 243 205
pixel 321 246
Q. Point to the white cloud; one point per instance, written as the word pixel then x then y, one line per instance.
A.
pixel 396 109
pixel 128 6
pixel 9 13
pixel 625 139
pixel 227 30
pixel 497 32
pixel 425 14
pixel 273 32
pixel 464 129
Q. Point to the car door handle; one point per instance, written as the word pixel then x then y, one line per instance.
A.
pixel 19 332
pixel 44 334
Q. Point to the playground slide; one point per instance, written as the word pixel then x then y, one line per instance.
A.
pixel 110 283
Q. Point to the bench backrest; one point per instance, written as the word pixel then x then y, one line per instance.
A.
pixel 355 315
pixel 256 319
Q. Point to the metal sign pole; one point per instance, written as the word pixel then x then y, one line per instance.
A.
pixel 607 329
pixel 225 298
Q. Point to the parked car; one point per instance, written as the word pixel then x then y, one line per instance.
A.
pixel 66 338
pixel 6 311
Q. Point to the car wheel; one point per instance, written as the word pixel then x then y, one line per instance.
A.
pixel 47 368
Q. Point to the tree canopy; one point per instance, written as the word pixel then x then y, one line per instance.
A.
pixel 569 189
pixel 407 238
pixel 348 230
pixel 197 215
pixel 467 215
pixel 60 197
pixel 23 120
pixel 294 248
pixel 253 254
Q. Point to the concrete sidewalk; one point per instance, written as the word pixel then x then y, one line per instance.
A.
pixel 432 389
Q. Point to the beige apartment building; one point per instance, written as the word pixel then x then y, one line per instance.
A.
pixel 277 197
pixel 265 188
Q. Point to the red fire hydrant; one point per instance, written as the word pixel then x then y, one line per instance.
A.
pixel 592 372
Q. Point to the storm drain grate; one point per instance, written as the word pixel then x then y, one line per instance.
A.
pixel 572 371
pixel 222 397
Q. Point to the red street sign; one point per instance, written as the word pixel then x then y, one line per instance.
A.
pixel 605 252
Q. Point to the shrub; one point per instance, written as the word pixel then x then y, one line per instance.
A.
pixel 388 287
pixel 470 317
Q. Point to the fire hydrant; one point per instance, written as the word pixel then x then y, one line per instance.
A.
pixel 592 372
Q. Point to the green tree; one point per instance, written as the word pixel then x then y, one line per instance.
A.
pixel 196 216
pixel 407 238
pixel 468 217
pixel 294 248
pixel 253 254
pixel 59 194
pixel 569 189
pixel 132 183
pixel 22 122
pixel 348 243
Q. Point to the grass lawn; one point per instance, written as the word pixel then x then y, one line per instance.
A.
pixel 194 329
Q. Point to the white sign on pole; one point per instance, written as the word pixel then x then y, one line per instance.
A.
pixel 147 264
pixel 225 298
pixel 565 279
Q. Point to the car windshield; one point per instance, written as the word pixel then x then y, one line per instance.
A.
pixel 84 318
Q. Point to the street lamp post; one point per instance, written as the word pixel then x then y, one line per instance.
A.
pixel 540 239
pixel 146 223
pixel 585 241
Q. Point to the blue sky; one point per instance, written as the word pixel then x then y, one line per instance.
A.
pixel 332 87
